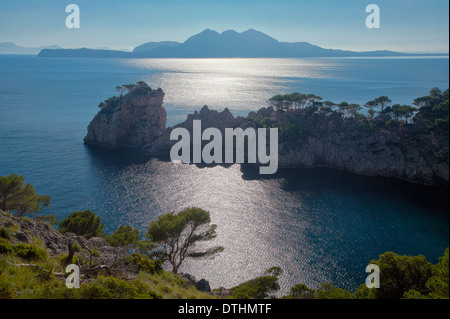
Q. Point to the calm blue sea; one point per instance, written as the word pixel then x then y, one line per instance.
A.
pixel 317 225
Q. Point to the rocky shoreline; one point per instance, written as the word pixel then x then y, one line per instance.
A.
pixel 307 139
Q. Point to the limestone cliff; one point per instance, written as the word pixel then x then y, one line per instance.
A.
pixel 209 118
pixel 133 120
pixel 407 152
pixel 416 150
pixel 307 139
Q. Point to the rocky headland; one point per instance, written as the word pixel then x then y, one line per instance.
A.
pixel 414 149
pixel 132 120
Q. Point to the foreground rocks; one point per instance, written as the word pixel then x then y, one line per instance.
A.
pixel 201 285
pixel 26 230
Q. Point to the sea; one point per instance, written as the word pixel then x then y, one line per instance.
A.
pixel 318 225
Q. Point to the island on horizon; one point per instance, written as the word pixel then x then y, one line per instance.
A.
pixel 228 44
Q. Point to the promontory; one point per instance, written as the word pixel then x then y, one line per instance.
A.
pixel 401 141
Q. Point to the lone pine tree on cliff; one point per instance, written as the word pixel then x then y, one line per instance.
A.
pixel 175 236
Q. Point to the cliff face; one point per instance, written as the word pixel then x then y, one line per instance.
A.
pixel 209 118
pixel 308 138
pixel 129 121
pixel 403 151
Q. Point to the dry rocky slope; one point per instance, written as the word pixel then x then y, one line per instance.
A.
pixel 27 230
pixel 307 138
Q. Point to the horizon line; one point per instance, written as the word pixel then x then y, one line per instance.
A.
pixel 127 49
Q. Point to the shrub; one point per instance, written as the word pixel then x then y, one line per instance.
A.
pixel 4 233
pixel 5 246
pixel 144 263
pixel 258 288
pixel 114 288
pixel 84 223
pixel 123 236
pixel 32 251
pixel 301 291
pixel 327 291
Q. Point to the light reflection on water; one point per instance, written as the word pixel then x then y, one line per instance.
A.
pixel 228 82
pixel 317 225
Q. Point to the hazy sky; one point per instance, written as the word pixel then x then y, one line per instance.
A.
pixel 406 25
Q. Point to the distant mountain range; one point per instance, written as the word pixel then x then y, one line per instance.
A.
pixel 228 44
pixel 11 48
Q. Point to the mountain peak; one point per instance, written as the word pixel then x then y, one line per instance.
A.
pixel 257 35
pixel 205 35
pixel 209 31
pixel 229 32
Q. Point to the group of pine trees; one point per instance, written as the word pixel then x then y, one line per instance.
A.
pixel 378 106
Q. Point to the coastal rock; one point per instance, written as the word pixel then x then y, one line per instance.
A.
pixel 308 138
pixel 25 230
pixel 403 151
pixel 209 118
pixel 131 121
pixel 202 284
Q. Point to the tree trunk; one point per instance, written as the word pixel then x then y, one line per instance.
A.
pixel 71 253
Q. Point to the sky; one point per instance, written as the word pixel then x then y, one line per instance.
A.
pixel 406 25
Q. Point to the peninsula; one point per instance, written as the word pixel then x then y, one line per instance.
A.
pixel 401 141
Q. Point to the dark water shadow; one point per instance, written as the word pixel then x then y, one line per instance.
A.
pixel 298 179
pixel 330 180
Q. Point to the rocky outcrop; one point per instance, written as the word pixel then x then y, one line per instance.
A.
pixel 308 138
pixel 201 285
pixel 312 139
pixel 131 121
pixel 407 152
pixel 26 230
pixel 209 118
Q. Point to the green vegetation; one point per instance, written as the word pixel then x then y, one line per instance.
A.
pixel 305 117
pixel 123 236
pixel 295 101
pixel 84 223
pixel 33 251
pixel 176 235
pixel 21 280
pixel 432 109
pixel 144 263
pixel 402 277
pixel 5 233
pixel 128 91
pixel 19 198
pixel 259 288
pixel 171 238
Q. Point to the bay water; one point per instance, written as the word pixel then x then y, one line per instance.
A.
pixel 318 225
